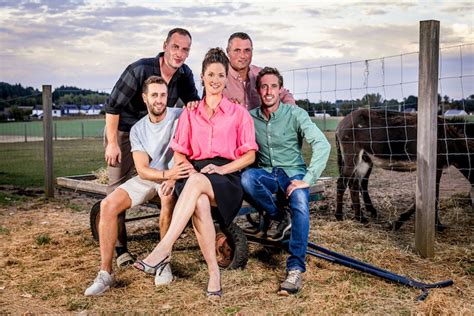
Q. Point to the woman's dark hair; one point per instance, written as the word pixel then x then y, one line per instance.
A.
pixel 215 55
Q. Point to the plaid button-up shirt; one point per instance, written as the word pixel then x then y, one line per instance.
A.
pixel 126 97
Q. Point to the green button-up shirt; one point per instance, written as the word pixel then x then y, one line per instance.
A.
pixel 280 139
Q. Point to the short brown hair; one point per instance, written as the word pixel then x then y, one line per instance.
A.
pixel 180 31
pixel 241 35
pixel 153 79
pixel 269 71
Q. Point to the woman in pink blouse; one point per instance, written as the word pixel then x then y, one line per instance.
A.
pixel 218 139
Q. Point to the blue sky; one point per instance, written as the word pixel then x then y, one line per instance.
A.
pixel 89 43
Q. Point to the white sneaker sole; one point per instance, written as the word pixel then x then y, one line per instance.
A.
pixel 163 282
pixel 100 293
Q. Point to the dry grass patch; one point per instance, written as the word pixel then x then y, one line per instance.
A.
pixel 50 277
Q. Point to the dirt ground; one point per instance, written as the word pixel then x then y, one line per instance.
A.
pixel 48 258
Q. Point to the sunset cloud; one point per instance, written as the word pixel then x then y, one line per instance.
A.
pixel 88 43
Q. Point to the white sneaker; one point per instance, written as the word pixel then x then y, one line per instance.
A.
pixel 164 276
pixel 102 283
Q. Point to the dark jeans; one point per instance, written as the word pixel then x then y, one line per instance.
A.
pixel 259 187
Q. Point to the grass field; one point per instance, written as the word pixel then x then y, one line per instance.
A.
pixel 329 124
pixel 61 128
pixel 21 164
pixel 94 128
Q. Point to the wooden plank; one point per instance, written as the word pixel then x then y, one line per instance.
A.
pixel 84 183
pixel 427 138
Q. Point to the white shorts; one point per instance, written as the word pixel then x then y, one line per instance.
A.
pixel 139 190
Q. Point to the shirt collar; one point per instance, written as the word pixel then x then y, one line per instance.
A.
pixel 224 106
pixel 234 73
pixel 273 115
pixel 157 66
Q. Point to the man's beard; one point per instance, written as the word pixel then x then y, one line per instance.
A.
pixel 157 112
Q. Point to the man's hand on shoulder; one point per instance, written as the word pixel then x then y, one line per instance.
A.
pixel 296 184
pixel 235 100
pixel 113 155
pixel 191 105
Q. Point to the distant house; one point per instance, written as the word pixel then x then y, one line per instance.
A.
pixel 455 113
pixel 321 115
pixel 70 109
pixel 38 111
pixel 409 110
pixel 91 109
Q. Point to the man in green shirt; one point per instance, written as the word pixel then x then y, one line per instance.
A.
pixel 280 129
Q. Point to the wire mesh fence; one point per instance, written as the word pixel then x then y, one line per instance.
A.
pixel 388 88
pixel 327 92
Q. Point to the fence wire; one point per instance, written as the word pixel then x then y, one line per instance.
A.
pixel 327 92
pixel 389 85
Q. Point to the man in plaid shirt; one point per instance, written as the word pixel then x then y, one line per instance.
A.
pixel 125 107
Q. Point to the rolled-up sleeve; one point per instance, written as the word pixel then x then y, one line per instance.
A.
pixel 246 135
pixel 135 141
pixel 181 141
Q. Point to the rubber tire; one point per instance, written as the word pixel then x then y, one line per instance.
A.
pixel 94 218
pixel 237 241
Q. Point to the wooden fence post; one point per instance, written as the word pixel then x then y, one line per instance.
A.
pixel 48 141
pixel 427 138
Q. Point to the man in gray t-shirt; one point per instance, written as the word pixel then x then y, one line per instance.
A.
pixel 150 138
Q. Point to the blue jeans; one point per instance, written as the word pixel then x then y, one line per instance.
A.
pixel 259 187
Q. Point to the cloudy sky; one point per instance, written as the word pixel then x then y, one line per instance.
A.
pixel 89 43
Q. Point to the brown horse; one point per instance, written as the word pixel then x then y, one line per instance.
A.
pixel 387 139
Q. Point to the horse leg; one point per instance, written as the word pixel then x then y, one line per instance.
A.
pixel 365 194
pixel 404 217
pixel 439 227
pixel 341 190
pixel 411 210
pixel 354 188
pixel 341 181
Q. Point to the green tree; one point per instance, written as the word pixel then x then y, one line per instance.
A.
pixel 372 100
pixel 18 114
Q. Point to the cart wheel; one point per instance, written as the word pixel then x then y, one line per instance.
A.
pixel 231 247
pixel 94 218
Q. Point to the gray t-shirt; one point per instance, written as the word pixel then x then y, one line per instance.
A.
pixel 154 138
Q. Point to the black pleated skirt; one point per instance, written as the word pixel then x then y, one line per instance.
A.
pixel 227 189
